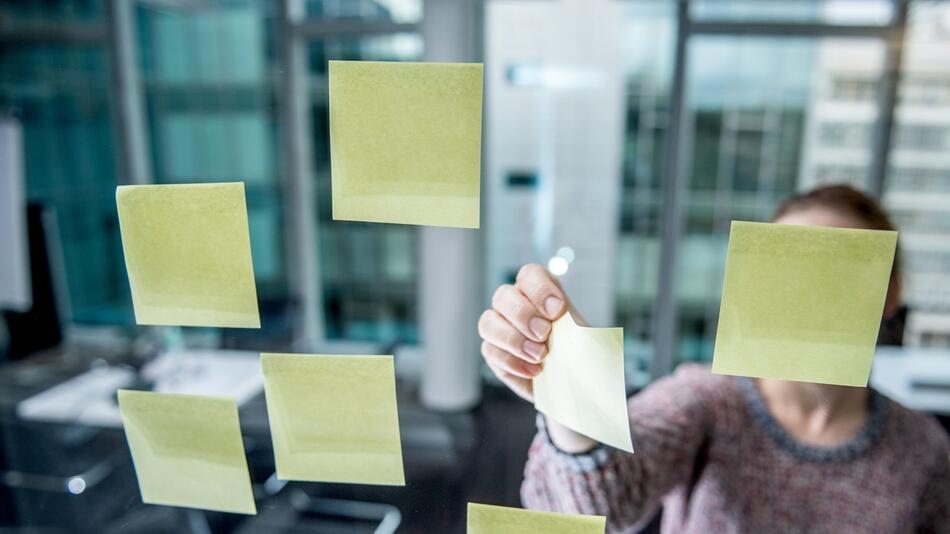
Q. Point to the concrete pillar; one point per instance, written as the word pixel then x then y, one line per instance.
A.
pixel 450 288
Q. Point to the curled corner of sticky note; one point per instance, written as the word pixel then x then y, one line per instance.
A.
pixel 583 386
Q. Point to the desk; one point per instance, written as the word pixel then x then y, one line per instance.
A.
pixel 46 447
pixel 89 398
pixel 917 378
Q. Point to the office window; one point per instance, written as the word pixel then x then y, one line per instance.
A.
pixel 369 271
pixel 40 12
pixel 925 89
pixel 840 174
pixel 60 92
pixel 922 138
pixel 844 135
pixel 762 126
pixel 847 88
pixel 844 12
pixel 917 185
pixel 399 11
pixel 648 48
pixel 211 117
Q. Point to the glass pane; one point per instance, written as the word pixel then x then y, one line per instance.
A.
pixel 42 12
pixel 769 116
pixel 369 270
pixel 400 11
pixel 576 122
pixel 60 96
pixel 648 47
pixel 846 12
pixel 211 117
pixel 917 185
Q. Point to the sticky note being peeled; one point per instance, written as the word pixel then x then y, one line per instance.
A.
pixel 334 418
pixel 188 254
pixel 405 142
pixel 487 519
pixel 582 383
pixel 187 450
pixel 802 303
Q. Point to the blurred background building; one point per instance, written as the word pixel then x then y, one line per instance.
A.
pixel 621 137
pixel 770 110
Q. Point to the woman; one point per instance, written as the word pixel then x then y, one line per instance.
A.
pixel 732 454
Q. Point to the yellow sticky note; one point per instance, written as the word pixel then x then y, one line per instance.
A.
pixel 188 254
pixel 582 383
pixel 488 519
pixel 405 142
pixel 187 450
pixel 333 418
pixel 802 303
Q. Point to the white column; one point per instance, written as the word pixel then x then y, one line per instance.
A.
pixel 299 204
pixel 135 166
pixel 450 288
pixel 15 286
pixel 560 116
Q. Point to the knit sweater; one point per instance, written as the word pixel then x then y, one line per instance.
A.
pixel 708 450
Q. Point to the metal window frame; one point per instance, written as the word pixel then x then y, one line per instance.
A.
pixel 293 102
pixel 117 35
pixel 297 157
pixel 679 140
pixel 296 31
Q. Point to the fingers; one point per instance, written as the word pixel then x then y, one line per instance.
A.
pixel 522 387
pixel 536 283
pixel 521 313
pixel 495 329
pixel 516 329
pixel 509 363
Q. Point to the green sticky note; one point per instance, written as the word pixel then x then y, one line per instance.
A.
pixel 188 254
pixel 582 383
pixel 187 450
pixel 488 519
pixel 333 418
pixel 802 303
pixel 405 142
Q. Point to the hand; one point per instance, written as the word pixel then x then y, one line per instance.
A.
pixel 514 334
pixel 515 329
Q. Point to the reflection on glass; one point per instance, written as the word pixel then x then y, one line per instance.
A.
pixel 368 270
pixel 648 69
pixel 211 114
pixel 917 185
pixel 769 116
pixel 845 12
pixel 60 95
pixel 399 11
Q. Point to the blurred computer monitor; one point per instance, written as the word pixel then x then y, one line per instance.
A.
pixel 41 325
pixel 14 257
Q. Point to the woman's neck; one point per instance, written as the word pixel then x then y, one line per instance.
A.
pixel 816 414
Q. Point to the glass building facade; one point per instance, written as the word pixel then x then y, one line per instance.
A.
pixel 766 115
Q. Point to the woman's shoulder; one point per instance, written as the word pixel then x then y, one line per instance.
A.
pixel 915 430
pixel 696 381
pixel 701 375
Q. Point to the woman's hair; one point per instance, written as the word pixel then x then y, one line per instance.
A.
pixel 844 200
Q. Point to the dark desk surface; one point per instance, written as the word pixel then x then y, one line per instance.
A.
pixel 449 460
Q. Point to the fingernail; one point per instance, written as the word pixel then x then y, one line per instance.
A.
pixel 533 349
pixel 539 327
pixel 531 369
pixel 553 306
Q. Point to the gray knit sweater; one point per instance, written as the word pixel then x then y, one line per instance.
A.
pixel 710 452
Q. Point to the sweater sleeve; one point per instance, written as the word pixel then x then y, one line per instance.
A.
pixel 670 420
pixel 935 501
